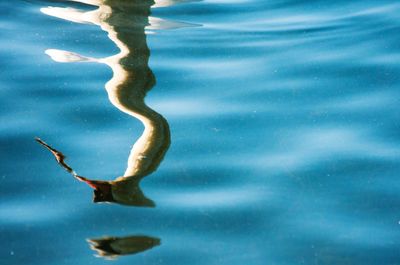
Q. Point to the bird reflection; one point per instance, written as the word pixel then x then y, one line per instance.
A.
pixel 113 247
pixel 126 23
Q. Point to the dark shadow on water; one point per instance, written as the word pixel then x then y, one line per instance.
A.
pixel 113 247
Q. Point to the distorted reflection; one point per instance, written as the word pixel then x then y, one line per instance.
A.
pixel 125 22
pixel 113 247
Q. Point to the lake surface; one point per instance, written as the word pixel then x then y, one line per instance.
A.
pixel 278 122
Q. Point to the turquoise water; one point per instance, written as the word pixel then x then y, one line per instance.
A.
pixel 278 122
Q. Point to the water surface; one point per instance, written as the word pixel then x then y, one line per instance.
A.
pixel 284 129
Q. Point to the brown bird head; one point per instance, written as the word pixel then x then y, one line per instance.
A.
pixel 102 190
pixel 124 191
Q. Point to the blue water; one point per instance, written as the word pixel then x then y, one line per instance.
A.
pixel 285 135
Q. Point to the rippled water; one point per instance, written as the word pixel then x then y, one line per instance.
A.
pixel 284 124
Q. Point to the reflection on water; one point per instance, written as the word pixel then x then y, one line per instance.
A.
pixel 113 247
pixel 284 122
pixel 125 23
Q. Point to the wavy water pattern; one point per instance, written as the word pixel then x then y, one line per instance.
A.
pixel 284 123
